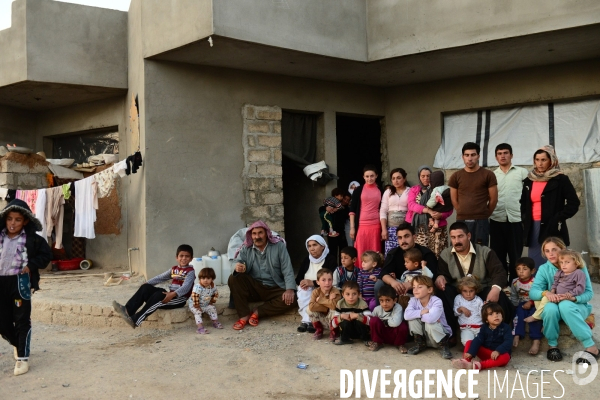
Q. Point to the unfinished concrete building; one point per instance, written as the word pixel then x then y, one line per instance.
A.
pixel 217 81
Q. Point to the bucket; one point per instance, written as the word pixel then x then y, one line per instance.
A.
pixel 69 265
pixel 198 264
pixel 214 262
pixel 225 269
pixel 85 264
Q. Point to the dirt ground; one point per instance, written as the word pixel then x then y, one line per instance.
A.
pixel 257 363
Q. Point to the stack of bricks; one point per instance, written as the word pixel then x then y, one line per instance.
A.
pixel 262 175
pixel 15 175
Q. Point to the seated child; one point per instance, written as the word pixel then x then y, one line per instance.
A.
pixel 467 307
pixel 415 265
pixel 519 296
pixel 204 295
pixel 152 298
pixel 351 315
pixel 426 318
pixel 22 254
pixel 439 200
pixel 569 281
pixel 372 262
pixel 386 322
pixel 334 204
pixel 347 271
pixel 493 343
pixel 323 301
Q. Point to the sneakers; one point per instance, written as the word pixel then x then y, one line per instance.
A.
pixel 21 367
pixel 122 311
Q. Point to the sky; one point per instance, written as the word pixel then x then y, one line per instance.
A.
pixel 5 7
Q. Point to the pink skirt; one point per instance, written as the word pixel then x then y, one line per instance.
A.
pixel 368 238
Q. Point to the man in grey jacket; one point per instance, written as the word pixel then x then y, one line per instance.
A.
pixel 263 272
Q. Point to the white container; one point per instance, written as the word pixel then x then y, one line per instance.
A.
pixel 198 264
pixel 226 269
pixel 214 262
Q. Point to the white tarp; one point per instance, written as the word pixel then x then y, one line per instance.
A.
pixel 573 128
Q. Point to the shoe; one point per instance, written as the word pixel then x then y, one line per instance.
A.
pixel 15 353
pixel 419 347
pixel 318 335
pixel 311 329
pixel 122 311
pixel 21 367
pixel 374 346
pixel 554 355
pixel 201 330
pixel 587 357
pixel 445 348
pixel 303 327
pixel 332 334
pixel 340 341
pixel 217 324
pixel 333 234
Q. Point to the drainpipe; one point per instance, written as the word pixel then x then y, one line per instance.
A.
pixel 129 250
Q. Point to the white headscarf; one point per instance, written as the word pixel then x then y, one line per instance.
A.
pixel 319 239
pixel 350 185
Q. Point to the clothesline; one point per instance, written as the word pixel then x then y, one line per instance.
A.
pixel 48 203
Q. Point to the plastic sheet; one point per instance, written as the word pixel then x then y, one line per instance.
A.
pixel 591 179
pixel 573 128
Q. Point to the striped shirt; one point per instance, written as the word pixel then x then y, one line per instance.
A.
pixel 367 286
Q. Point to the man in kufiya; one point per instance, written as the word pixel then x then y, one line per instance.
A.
pixel 263 272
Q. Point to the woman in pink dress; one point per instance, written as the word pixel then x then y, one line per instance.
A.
pixel 365 226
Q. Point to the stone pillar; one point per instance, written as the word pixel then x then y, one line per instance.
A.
pixel 262 175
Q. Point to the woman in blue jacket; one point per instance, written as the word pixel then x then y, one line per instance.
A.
pixel 573 313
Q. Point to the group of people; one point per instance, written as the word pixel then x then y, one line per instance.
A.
pixel 419 285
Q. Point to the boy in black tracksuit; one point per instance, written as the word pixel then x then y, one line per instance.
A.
pixel 22 254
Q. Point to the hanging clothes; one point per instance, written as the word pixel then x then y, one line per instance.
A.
pixel 40 211
pixel 3 193
pixel 66 188
pixel 86 204
pixel 105 180
pixel 135 161
pixel 30 197
pixel 21 195
pixel 120 168
pixel 55 211
pixel 11 195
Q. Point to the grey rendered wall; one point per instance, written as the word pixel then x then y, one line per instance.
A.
pixel 194 153
pixel 168 24
pixel 13 59
pixel 70 43
pixel 17 127
pixel 414 113
pixel 401 27
pixel 331 28
pixel 104 250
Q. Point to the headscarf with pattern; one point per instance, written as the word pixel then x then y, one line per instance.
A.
pixel 551 172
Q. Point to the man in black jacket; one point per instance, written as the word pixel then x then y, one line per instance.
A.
pixel 393 267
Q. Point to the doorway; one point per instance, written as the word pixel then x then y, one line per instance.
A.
pixel 358 144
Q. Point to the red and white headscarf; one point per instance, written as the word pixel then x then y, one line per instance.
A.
pixel 270 237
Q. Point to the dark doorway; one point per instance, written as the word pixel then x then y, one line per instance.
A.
pixel 358 144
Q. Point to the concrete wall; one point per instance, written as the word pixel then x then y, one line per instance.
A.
pixel 194 156
pixel 331 28
pixel 104 250
pixel 13 62
pixel 401 27
pixel 168 24
pixel 17 127
pixel 414 113
pixel 70 43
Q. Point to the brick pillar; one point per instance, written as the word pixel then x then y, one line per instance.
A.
pixel 262 175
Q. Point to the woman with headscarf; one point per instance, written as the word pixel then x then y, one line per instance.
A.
pixel 365 227
pixel 418 213
pixel 547 201
pixel 394 205
pixel 318 257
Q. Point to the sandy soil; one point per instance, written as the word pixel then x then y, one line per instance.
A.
pixel 258 363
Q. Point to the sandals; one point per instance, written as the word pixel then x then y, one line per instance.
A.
pixel 217 324
pixel 554 355
pixel 253 320
pixel 201 330
pixel 240 324
pixel 403 350
pixel 374 346
pixel 587 359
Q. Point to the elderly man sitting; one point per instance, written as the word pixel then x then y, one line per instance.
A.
pixel 263 272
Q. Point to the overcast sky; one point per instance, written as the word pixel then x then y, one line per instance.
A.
pixel 5 7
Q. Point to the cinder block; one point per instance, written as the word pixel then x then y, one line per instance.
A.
pixel 251 141
pixel 26 181
pixel 258 127
pixel 249 112
pixel 258 212
pixel 66 308
pixel 277 155
pixel 18 168
pixel 272 198
pixel 44 316
pixel 56 306
pixel 180 315
pixel 276 127
pixel 96 310
pixel 259 155
pixel 107 311
pixel 7 180
pixel 269 170
pixel 94 321
pixel 259 183
pixel 276 226
pixel 59 317
pixel 269 114
pixel 73 319
pixel 269 141
pixel 118 322
pixel 86 309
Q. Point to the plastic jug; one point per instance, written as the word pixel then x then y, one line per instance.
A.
pixel 198 264
pixel 226 269
pixel 214 262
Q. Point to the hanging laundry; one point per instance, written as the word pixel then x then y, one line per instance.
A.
pixel 120 168
pixel 135 161
pixel 55 210
pixel 3 193
pixel 105 180
pixel 86 204
pixel 11 195
pixel 21 195
pixel 30 197
pixel 40 211
pixel 66 188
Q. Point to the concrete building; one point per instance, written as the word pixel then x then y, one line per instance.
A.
pixel 215 78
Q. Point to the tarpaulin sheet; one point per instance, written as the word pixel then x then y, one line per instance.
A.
pixel 573 128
